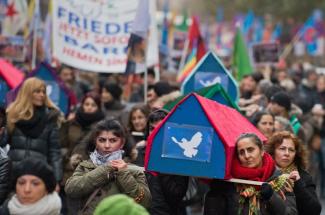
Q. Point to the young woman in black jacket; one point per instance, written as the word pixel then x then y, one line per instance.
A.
pixel 33 123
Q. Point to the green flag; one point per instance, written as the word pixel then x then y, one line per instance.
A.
pixel 241 61
pixel 183 26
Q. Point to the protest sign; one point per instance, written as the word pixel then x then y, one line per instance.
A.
pixel 12 48
pixel 93 35
pixel 265 53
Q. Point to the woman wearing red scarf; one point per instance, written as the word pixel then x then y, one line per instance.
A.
pixel 275 196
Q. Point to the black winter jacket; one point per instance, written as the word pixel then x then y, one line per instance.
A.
pixel 5 168
pixel 167 192
pixel 223 199
pixel 306 198
pixel 45 146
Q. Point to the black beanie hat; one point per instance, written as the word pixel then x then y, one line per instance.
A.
pixel 36 167
pixel 282 99
pixel 162 88
pixel 114 89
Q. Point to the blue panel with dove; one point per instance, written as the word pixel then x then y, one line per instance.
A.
pixel 187 142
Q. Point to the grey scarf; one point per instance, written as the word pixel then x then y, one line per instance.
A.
pixel 99 159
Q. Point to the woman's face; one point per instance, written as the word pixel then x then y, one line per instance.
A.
pixel 106 96
pixel 138 120
pixel 89 105
pixel 38 96
pixel 107 142
pixel 30 189
pixel 249 154
pixel 320 84
pixel 285 153
pixel 266 125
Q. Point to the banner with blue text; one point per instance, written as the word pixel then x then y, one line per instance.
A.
pixel 93 35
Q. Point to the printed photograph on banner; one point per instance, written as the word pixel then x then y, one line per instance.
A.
pixel 178 45
pixel 136 54
pixel 12 48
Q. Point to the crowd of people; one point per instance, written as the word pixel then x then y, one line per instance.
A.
pixel 91 161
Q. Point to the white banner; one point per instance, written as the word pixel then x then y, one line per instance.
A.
pixel 93 35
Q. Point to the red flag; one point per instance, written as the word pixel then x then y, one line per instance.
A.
pixel 10 74
pixel 195 38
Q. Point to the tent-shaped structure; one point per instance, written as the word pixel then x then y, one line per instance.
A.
pixel 208 71
pixel 214 92
pixel 197 138
pixel 10 77
pixel 55 88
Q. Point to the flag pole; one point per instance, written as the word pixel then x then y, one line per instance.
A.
pixel 295 39
pixel 34 47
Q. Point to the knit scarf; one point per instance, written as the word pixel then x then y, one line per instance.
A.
pixel 87 119
pixel 99 159
pixel 35 125
pixel 49 205
pixel 289 169
pixel 254 174
pixel 261 174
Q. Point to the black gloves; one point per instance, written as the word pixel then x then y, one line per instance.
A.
pixel 266 191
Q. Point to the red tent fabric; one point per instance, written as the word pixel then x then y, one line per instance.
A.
pixel 226 121
pixel 10 74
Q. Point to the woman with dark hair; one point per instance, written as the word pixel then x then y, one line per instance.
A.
pixel 274 196
pixel 291 157
pixel 153 119
pixel 137 122
pixel 34 183
pixel 73 131
pixel 264 122
pixel 106 173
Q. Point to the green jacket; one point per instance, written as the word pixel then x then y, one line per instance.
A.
pixel 89 178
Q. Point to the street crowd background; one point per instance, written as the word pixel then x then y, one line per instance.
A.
pixel 76 76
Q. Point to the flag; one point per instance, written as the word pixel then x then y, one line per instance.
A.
pixel 197 47
pixel 195 39
pixel 190 64
pixel 248 24
pixel 15 17
pixel 183 26
pixel 137 41
pixel 308 33
pixel 241 60
pixel 47 39
pixel 277 32
pixel 258 30
pixel 32 31
pixel 164 31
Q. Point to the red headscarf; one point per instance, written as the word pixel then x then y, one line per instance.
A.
pixel 254 174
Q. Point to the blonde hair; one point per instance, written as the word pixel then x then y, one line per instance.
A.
pixel 22 108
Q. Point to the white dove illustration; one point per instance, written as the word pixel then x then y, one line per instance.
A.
pixel 190 146
pixel 209 83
